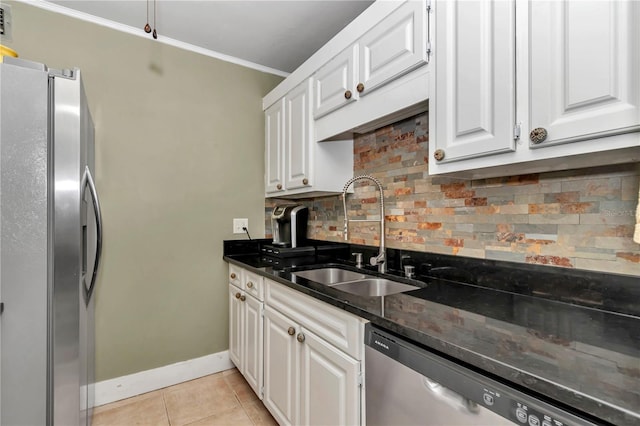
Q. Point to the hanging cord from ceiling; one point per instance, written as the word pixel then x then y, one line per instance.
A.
pixel 147 27
pixel 155 34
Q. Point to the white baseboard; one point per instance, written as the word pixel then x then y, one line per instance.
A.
pixel 157 378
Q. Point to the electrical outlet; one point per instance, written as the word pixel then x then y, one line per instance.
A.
pixel 238 224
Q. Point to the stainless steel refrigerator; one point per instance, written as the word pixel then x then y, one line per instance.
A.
pixel 50 245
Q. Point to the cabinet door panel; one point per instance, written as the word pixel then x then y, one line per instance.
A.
pixel 274 147
pixel 584 68
pixel 236 326
pixel 253 344
pixel 333 80
pixel 329 384
pixel 393 47
pixel 475 78
pixel 298 136
pixel 281 388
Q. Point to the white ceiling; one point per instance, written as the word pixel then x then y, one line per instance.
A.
pixel 276 34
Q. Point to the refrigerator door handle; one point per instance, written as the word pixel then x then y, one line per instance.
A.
pixel 87 181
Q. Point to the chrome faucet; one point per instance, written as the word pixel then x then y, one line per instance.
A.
pixel 381 258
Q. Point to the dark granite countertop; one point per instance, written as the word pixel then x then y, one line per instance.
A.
pixel 566 335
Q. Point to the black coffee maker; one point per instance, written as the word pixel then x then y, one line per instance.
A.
pixel 289 225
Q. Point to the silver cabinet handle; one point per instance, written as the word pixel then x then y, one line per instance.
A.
pixel 250 284
pixel 87 181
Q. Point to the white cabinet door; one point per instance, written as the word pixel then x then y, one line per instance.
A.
pixel 330 390
pixel 236 325
pixel 395 46
pixel 274 118
pixel 474 111
pixel 253 343
pixel 584 69
pixel 281 371
pixel 335 84
pixel 299 136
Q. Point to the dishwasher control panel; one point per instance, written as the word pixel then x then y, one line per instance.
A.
pixel 528 416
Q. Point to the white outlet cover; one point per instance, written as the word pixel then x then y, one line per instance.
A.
pixel 238 224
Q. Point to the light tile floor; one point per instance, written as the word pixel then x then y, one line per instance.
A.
pixel 224 398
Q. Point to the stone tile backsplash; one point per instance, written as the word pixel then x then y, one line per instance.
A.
pixel 580 218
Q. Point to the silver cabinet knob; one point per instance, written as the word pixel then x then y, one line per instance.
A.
pixel 291 331
pixel 250 284
pixel 300 337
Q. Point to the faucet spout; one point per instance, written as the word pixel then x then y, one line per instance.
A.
pixel 380 259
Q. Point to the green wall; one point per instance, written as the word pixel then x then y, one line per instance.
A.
pixel 179 153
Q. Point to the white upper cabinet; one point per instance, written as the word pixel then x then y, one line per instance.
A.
pixel 372 73
pixel 299 137
pixel 295 165
pixel 274 147
pixel 512 77
pixel 335 83
pixel 395 46
pixel 585 69
pixel 475 91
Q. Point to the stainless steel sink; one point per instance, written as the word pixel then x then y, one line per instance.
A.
pixel 354 282
pixel 374 287
pixel 330 276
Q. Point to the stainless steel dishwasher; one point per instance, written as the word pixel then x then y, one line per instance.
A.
pixel 408 385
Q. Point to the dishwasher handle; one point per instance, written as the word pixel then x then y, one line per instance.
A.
pixel 450 397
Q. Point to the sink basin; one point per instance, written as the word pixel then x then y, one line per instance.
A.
pixel 374 287
pixel 354 282
pixel 330 275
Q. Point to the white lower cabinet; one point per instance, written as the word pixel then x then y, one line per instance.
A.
pixel 308 380
pixel 281 358
pixel 236 326
pixel 246 332
pixel 301 356
pixel 253 344
pixel 329 383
